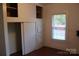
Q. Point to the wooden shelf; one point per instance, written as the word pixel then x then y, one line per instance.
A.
pixel 16 19
pixel 12 7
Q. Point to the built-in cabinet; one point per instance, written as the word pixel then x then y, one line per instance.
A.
pixel 12 9
pixel 29 37
pixel 24 12
pixel 39 40
pixel 22 28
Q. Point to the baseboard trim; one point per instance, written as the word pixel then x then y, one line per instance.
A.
pixel 18 53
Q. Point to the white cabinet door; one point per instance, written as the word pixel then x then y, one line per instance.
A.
pixel 38 33
pixel 28 41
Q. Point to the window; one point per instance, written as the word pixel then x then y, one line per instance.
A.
pixel 59 27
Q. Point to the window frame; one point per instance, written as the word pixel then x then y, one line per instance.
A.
pixel 66 28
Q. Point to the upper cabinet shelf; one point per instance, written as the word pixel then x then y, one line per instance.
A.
pixel 38 12
pixel 22 12
pixel 12 9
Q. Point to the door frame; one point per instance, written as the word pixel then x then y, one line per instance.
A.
pixel 22 37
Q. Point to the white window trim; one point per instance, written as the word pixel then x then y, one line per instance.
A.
pixel 66 30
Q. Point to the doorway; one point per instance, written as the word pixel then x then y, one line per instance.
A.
pixel 15 40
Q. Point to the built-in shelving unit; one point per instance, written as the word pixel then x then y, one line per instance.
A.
pixel 38 12
pixel 22 28
pixel 12 9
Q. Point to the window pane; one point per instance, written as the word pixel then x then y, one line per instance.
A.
pixel 59 26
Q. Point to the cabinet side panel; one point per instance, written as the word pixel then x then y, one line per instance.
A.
pixel 2 40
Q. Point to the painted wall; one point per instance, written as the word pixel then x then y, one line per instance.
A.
pixel 27 11
pixel 72 12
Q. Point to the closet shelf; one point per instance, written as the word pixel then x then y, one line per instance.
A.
pixel 12 7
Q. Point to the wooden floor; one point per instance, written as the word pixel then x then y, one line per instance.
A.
pixel 46 51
